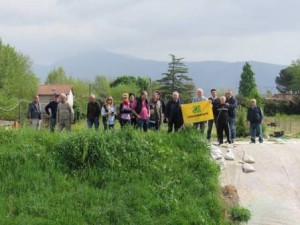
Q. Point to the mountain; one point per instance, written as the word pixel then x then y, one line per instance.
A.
pixel 206 74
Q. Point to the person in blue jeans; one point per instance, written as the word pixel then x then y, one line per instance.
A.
pixel 51 110
pixel 255 117
pixel 200 97
pixel 231 102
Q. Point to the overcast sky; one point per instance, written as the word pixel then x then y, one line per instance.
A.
pixel 227 30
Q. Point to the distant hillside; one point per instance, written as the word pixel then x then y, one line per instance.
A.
pixel 206 74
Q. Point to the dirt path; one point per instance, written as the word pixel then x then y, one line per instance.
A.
pixel 272 193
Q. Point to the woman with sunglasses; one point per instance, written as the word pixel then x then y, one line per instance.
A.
pixel 108 111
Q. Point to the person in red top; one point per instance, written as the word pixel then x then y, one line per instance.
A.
pixel 141 110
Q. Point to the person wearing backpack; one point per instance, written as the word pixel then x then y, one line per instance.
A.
pixel 255 117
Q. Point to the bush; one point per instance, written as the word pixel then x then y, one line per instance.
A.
pixel 239 214
pixel 242 128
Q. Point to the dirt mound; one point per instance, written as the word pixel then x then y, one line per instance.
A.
pixel 230 195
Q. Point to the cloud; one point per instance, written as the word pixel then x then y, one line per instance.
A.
pixel 230 30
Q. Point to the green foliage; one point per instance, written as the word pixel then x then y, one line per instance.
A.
pixel 177 79
pixel 289 78
pixel 17 80
pixel 247 87
pixel 120 177
pixel 271 108
pixel 240 214
pixel 242 128
pixel 141 82
pixel 57 76
pixel 284 80
pixel 101 86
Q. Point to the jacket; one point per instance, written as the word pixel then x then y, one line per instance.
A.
pixel 255 115
pixel 34 111
pixel 232 107
pixel 173 112
pixel 215 103
pixel 93 110
pixel 53 106
pixel 223 114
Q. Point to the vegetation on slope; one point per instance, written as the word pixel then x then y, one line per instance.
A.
pixel 121 177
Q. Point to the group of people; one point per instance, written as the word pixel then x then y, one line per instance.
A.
pixel 144 114
pixel 136 111
pixel 224 113
pixel 59 110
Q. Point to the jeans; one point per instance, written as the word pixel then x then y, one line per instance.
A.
pixel 210 124
pixel 232 127
pixel 201 125
pixel 142 124
pixel 91 122
pixel 256 127
pixel 52 124
pixel 154 125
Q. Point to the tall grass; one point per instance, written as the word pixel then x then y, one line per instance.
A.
pixel 120 177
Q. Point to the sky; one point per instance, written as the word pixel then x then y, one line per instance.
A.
pixel 198 30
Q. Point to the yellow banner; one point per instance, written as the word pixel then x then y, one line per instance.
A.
pixel 197 112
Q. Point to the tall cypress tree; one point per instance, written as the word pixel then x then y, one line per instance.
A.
pixel 177 79
pixel 247 82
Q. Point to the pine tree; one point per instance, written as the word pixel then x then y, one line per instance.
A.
pixel 177 79
pixel 248 87
pixel 247 82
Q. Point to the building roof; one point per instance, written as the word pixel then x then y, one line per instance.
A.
pixel 51 89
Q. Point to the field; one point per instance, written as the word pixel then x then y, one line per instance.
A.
pixel 120 177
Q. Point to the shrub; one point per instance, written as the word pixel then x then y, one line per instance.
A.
pixel 242 128
pixel 239 214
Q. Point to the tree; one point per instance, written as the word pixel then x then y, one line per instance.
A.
pixel 177 79
pixel 141 82
pixel 57 76
pixel 284 80
pixel 101 86
pixel 17 81
pixel 247 85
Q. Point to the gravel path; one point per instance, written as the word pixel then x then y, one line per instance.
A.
pixel 272 192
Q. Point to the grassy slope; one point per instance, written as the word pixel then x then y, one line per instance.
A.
pixel 125 177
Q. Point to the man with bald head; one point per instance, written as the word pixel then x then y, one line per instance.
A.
pixel 173 113
pixel 255 117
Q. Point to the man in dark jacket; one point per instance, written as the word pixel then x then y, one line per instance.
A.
pixel 215 101
pixel 35 113
pixel 173 113
pixel 51 110
pixel 93 112
pixel 231 102
pixel 255 117
pixel 222 121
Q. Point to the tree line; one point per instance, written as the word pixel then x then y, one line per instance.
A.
pixel 17 81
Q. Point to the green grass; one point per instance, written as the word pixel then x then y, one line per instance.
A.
pixel 120 177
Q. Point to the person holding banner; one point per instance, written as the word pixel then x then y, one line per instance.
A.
pixel 173 113
pixel 215 101
pixel 200 98
pixel 222 121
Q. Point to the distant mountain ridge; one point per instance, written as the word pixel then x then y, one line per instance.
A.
pixel 206 74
